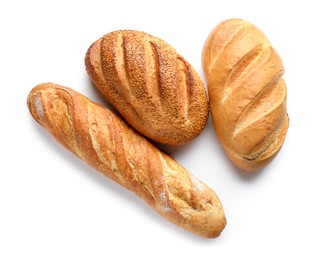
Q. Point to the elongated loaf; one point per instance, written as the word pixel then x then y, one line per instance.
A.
pixel 247 93
pixel 155 89
pixel 107 143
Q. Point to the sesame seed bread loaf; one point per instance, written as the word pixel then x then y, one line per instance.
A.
pixel 154 88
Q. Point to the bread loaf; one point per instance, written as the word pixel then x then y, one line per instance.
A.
pixel 247 93
pixel 155 89
pixel 103 140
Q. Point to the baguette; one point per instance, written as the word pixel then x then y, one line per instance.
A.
pixel 154 89
pixel 104 141
pixel 247 93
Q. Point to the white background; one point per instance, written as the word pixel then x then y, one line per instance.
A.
pixel 54 206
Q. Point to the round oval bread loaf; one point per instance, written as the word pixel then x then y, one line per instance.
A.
pixel 154 88
pixel 247 93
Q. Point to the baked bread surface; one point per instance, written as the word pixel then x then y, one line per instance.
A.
pixel 247 93
pixel 154 88
pixel 104 141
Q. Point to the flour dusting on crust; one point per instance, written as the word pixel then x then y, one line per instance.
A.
pixel 164 205
pixel 196 183
pixel 39 107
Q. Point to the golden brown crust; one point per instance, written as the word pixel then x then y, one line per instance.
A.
pixel 247 93
pixel 107 143
pixel 155 89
